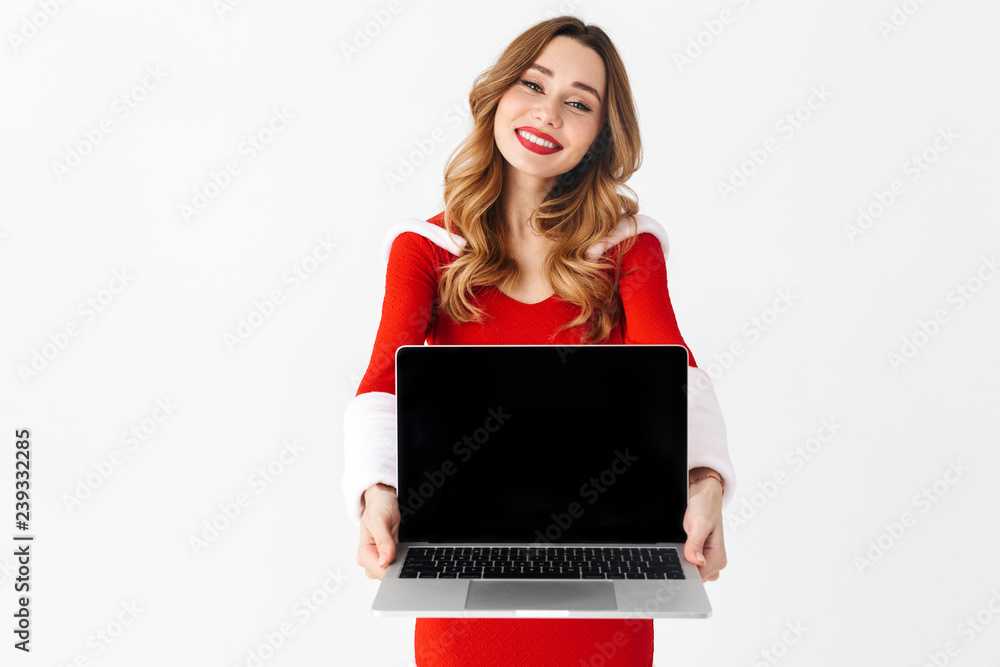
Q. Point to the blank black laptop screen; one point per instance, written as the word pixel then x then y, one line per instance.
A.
pixel 542 444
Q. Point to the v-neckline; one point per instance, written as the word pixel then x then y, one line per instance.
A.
pixel 523 303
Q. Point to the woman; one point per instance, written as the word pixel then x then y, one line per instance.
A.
pixel 536 245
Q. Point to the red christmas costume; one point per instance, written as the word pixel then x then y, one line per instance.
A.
pixel 414 265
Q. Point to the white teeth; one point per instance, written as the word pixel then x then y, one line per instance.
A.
pixel 535 140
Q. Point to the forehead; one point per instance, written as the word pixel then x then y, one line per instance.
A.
pixel 570 61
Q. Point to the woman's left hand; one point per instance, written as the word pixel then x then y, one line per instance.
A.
pixel 703 525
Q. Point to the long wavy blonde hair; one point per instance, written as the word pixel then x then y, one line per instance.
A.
pixel 582 208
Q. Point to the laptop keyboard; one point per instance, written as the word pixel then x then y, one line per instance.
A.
pixel 541 563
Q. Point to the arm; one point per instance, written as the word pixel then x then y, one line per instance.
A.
pixel 649 319
pixel 704 483
pixel 370 417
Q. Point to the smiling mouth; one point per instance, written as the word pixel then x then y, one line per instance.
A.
pixel 538 141
pixel 535 144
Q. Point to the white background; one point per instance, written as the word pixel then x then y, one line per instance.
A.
pixel 355 118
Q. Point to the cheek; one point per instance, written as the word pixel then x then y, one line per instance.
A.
pixel 502 116
pixel 506 103
pixel 582 138
pixel 514 104
pixel 591 134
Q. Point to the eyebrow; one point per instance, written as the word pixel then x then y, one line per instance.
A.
pixel 576 84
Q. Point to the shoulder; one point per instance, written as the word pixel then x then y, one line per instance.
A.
pixel 650 236
pixel 425 235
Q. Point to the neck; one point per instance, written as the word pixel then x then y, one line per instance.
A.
pixel 522 194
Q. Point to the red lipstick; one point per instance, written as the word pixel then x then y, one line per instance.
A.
pixel 533 147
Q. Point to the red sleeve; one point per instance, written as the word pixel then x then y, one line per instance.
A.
pixel 649 316
pixel 407 308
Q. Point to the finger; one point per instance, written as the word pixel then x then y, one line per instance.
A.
pixel 384 543
pixel 715 550
pixel 716 556
pixel 386 552
pixel 694 548
pixel 368 558
pixel 368 554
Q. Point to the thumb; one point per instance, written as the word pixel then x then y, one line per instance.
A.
pixel 693 549
pixel 384 543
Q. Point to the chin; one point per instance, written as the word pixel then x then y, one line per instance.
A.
pixel 536 173
pixel 533 170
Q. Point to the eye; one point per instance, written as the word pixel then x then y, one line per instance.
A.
pixel 529 84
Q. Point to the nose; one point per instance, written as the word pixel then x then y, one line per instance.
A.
pixel 547 111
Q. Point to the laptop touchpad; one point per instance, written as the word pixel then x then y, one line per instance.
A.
pixel 486 595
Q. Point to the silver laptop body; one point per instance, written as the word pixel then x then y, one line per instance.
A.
pixel 542 481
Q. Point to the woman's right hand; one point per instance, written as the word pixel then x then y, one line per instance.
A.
pixel 379 530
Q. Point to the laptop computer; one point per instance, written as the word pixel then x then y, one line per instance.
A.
pixel 542 481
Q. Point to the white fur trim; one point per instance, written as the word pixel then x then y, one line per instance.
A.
pixel 623 230
pixel 370 440
pixel 370 419
pixel 651 226
pixel 439 235
pixel 707 431
pixel 454 243
pixel 369 447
